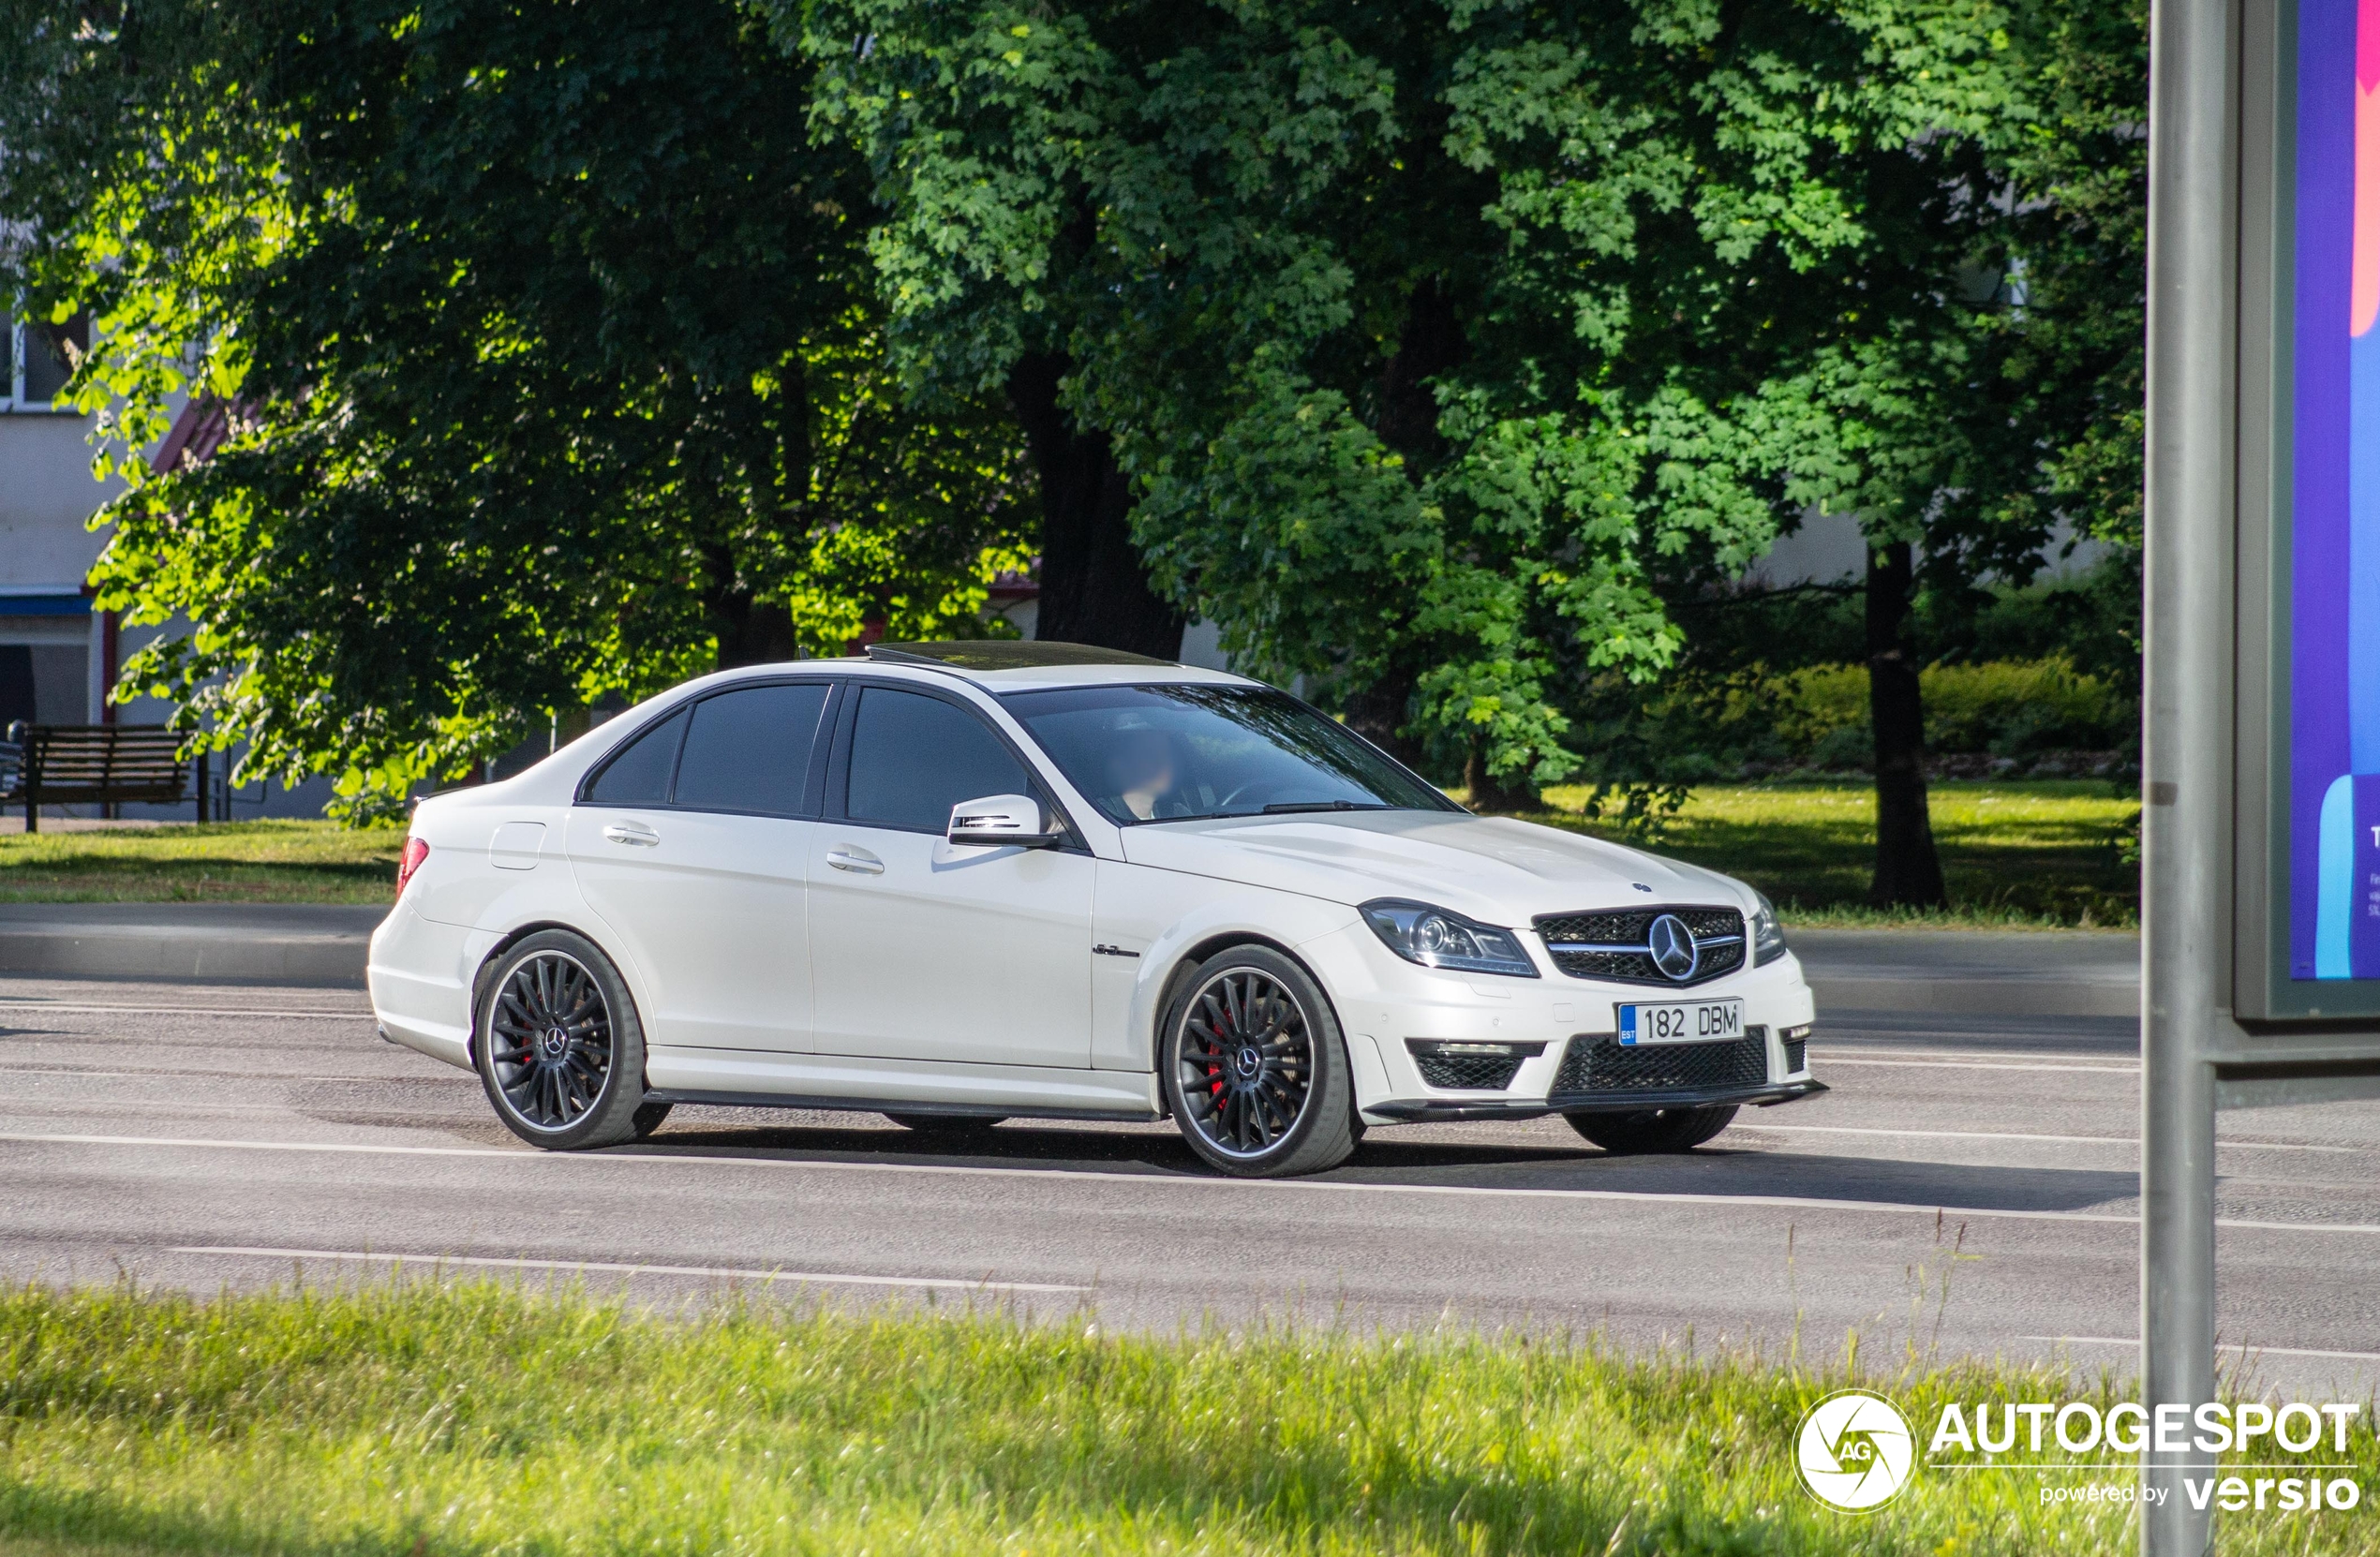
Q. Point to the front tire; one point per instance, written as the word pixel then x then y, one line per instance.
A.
pixel 1254 1068
pixel 1657 1129
pixel 560 1051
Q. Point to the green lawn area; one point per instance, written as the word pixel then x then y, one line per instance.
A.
pixel 2028 854
pixel 231 862
pixel 2015 854
pixel 419 1420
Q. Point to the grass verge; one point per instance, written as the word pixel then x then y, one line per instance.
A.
pixel 423 1419
pixel 2037 854
pixel 230 862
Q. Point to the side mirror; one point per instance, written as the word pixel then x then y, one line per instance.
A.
pixel 1004 821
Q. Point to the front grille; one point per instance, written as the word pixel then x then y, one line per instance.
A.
pixel 1623 954
pixel 1796 1055
pixel 1603 1065
pixel 1491 1073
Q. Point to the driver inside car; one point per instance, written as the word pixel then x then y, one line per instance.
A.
pixel 1142 769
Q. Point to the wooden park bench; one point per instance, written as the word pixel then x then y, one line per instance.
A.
pixel 101 764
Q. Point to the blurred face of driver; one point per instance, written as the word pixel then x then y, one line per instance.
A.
pixel 1142 766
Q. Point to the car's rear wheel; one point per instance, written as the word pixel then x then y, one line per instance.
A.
pixel 1254 1068
pixel 949 1126
pixel 1654 1130
pixel 560 1051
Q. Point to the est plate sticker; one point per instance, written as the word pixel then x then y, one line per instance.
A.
pixel 1685 1022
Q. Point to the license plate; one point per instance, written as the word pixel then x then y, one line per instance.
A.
pixel 1682 1022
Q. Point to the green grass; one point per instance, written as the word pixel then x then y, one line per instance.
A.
pixel 232 862
pixel 424 1419
pixel 2034 854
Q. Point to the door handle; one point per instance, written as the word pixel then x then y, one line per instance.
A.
pixel 845 857
pixel 631 833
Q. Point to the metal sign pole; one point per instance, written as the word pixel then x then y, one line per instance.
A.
pixel 2186 825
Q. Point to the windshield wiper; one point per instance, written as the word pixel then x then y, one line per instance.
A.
pixel 1283 806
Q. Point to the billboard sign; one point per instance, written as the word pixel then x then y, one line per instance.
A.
pixel 2309 757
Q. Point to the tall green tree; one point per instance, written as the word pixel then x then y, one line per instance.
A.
pixel 550 344
pixel 1439 342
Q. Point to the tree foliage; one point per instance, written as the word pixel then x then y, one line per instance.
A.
pixel 1450 356
pixel 1442 342
pixel 551 348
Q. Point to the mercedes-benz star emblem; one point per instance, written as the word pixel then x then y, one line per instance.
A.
pixel 1672 947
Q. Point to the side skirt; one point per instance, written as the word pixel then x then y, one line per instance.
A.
pixel 898 1106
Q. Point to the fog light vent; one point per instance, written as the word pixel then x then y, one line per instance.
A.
pixel 1469 1067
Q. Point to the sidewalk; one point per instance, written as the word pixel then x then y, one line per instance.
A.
pixel 2042 973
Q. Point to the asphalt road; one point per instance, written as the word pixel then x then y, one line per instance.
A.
pixel 198 1136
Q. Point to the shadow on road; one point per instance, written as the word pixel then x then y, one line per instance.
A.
pixel 1408 1159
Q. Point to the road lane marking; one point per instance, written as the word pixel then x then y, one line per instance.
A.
pixel 2055 1061
pixel 838 1280
pixel 211 1075
pixel 1971 1066
pixel 2241 1347
pixel 2003 1136
pixel 1651 1198
pixel 36 1006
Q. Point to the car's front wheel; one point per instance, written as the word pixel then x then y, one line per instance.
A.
pixel 1254 1068
pixel 559 1048
pixel 1654 1130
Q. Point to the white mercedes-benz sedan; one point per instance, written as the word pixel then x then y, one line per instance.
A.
pixel 961 883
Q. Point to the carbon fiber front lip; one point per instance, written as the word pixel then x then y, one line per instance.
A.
pixel 1768 1094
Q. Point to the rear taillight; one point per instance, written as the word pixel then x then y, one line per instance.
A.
pixel 416 852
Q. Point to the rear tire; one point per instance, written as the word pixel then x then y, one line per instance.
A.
pixel 950 1126
pixel 557 1044
pixel 1659 1129
pixel 1254 1069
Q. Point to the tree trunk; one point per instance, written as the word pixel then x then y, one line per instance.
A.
pixel 1492 793
pixel 1093 588
pixel 1431 342
pixel 749 632
pixel 1379 714
pixel 1908 873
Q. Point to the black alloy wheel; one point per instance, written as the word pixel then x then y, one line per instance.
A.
pixel 559 1048
pixel 1256 1072
pixel 1652 1130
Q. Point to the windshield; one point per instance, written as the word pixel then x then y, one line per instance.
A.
pixel 1173 753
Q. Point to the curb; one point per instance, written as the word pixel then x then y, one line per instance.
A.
pixel 1976 997
pixel 167 941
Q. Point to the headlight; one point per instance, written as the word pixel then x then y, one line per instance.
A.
pixel 1436 938
pixel 1768 936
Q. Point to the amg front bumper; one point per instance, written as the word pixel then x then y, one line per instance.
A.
pixel 1767 1094
pixel 1594 1072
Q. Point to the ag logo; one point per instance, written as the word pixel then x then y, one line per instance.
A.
pixel 1856 1451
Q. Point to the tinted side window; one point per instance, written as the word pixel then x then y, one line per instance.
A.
pixel 913 757
pixel 639 775
pixel 749 749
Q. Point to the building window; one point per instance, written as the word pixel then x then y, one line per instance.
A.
pixel 36 358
